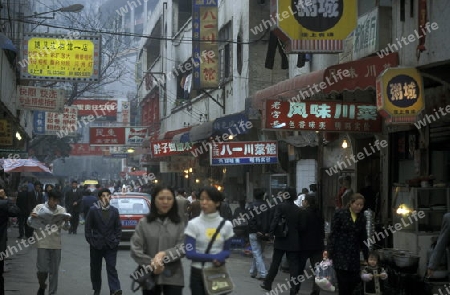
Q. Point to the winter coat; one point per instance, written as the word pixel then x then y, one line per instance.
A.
pixel 292 213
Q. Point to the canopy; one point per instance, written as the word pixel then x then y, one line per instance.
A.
pixel 24 165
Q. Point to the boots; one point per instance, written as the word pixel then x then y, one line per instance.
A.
pixel 42 278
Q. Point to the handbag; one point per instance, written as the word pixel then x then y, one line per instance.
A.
pixel 281 228
pixel 216 279
pixel 143 278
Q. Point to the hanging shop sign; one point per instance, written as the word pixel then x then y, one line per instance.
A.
pixel 244 152
pixel 114 136
pixel 59 58
pixel 97 109
pixel 84 149
pixel 205 50
pixel 6 136
pixel 313 26
pixel 40 99
pixel 49 123
pixel 321 116
pixel 164 148
pixel 400 95
pixel 126 112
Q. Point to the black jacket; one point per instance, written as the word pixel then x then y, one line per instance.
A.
pixel 292 213
pixel 36 200
pixel 312 230
pixel 71 198
pixel 22 203
pixel 7 209
pixel 346 240
pixel 100 234
pixel 260 217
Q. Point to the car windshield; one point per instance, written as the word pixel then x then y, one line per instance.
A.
pixel 130 205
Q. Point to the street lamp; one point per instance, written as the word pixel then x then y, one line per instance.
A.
pixel 70 8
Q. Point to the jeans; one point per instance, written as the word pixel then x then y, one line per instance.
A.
pixel 164 289
pixel 347 281
pixel 258 265
pixel 196 282
pixel 293 268
pixel 314 258
pixel 110 256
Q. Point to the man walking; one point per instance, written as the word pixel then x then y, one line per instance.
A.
pixel 73 204
pixel 22 203
pixel 7 209
pixel 103 230
pixel 49 245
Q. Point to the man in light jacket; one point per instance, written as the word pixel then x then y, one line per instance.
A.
pixel 103 230
pixel 49 244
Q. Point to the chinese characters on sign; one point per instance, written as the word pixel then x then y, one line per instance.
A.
pixel 57 59
pixel 365 36
pixel 135 135
pixel 244 152
pixel 321 116
pixel 400 94
pixel 6 137
pixel 100 109
pixel 84 149
pixel 107 136
pixel 314 25
pixel 166 148
pixel 43 99
pixel 125 112
pixel 49 123
pixel 204 40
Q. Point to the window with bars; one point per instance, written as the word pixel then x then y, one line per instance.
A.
pixel 226 53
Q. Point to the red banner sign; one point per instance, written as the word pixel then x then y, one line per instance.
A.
pixel 164 148
pixel 43 99
pixel 321 116
pixel 100 109
pixel 107 136
pixel 84 149
pixel 244 152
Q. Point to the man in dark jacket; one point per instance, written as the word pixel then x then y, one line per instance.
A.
pixel 7 209
pixel 103 230
pixel 22 203
pixel 74 198
pixel 258 228
pixel 89 200
pixel 288 244
pixel 37 194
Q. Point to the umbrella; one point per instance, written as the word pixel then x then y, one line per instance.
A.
pixel 24 165
pixel 90 182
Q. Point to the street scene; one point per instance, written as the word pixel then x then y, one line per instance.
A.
pixel 224 147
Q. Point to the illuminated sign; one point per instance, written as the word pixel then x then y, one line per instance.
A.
pixel 50 57
pixel 244 152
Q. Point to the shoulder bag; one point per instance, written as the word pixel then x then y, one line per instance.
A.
pixel 216 279
pixel 142 278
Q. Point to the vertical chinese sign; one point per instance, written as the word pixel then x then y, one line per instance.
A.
pixel 125 112
pixel 49 123
pixel 6 137
pixel 58 58
pixel 205 50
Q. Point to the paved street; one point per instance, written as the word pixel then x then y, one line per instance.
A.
pixel 74 271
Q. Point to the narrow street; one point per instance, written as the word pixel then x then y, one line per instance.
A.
pixel 20 279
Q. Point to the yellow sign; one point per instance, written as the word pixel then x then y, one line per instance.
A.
pixel 400 94
pixel 302 23
pixel 50 57
pixel 6 137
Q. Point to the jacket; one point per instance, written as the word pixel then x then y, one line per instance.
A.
pixel 71 198
pixel 260 217
pixel 292 213
pixel 100 234
pixel 346 240
pixel 39 199
pixel 87 203
pixel 312 230
pixel 22 203
pixel 48 238
pixel 7 209
pixel 160 235
pixel 375 286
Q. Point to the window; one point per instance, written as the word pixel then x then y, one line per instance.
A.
pixel 130 205
pixel 225 53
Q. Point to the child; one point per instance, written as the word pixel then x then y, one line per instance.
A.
pixel 372 274
pixel 324 273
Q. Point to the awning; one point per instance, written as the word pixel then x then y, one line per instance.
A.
pixel 182 137
pixel 225 124
pixel 201 132
pixel 360 74
pixel 171 134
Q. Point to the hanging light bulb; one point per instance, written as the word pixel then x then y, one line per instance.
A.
pixel 344 144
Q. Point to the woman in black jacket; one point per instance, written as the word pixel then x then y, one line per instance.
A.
pixel 346 241
pixel 288 245
pixel 312 235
